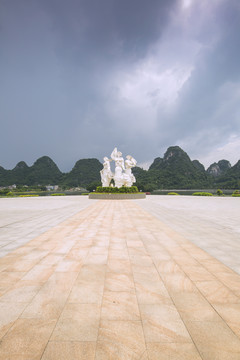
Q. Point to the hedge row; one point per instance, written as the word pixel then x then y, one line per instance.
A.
pixel 115 190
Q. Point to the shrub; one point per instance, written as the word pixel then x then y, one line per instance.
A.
pixel 3 192
pixel 93 185
pixel 202 194
pixel 219 192
pixel 115 190
pixel 57 194
pixel 28 195
pixel 236 193
pixel 172 193
pixel 10 193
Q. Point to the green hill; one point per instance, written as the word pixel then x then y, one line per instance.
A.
pixel 177 171
pixel 174 171
pixel 230 178
pixel 84 172
pixel 20 173
pixel 44 171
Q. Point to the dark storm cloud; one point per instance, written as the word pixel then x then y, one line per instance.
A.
pixel 57 55
pixel 81 77
pixel 107 28
pixel 207 111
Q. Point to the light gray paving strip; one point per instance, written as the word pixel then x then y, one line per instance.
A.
pixel 22 219
pixel 211 223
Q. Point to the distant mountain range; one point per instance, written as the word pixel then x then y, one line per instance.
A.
pixel 174 171
pixel 44 172
pixel 177 171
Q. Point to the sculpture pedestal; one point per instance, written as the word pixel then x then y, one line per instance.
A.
pixel 99 196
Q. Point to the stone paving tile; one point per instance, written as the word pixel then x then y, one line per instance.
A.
pixel 114 282
pixel 9 313
pixel 124 337
pixel 26 339
pixel 78 322
pixel 120 306
pixel 217 293
pixel 231 314
pixel 194 307
pixel 87 292
pixel 56 350
pixel 172 351
pixel 214 340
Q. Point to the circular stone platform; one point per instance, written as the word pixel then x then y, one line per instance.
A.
pixel 116 196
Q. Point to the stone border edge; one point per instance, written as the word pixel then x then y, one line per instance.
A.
pixel 116 196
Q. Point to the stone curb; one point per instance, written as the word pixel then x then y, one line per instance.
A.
pixel 116 196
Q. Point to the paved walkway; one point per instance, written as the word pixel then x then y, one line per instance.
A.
pixel 115 282
pixel 212 223
pixel 21 219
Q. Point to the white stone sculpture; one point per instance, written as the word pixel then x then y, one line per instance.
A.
pixel 123 170
pixel 119 167
pixel 129 178
pixel 106 173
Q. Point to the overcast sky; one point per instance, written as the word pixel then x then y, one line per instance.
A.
pixel 79 77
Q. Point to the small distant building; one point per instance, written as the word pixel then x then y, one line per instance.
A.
pixel 52 187
pixel 11 187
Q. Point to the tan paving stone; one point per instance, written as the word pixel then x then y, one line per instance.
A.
pixel 115 351
pixel 172 351
pixel 152 293
pixel 20 293
pixel 92 273
pixel 119 282
pixel 58 287
pixel 41 308
pixel 9 313
pixel 68 265
pixel 118 254
pixel 114 282
pixel 85 292
pixel 120 306
pixel 120 337
pixel 39 273
pixel 214 340
pixel 168 267
pixel 78 322
pixel 197 273
pixel 8 279
pixel 52 259
pixel 119 265
pixel 216 292
pixel 141 260
pixel 21 265
pixel 194 307
pixel 231 314
pixel 145 276
pixel 162 323
pixel 26 339
pixel 215 266
pixel 69 350
pixel 231 280
pixel 178 283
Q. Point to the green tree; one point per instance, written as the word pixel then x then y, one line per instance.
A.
pixel 93 185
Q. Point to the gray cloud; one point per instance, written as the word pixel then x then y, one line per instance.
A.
pixel 206 113
pixel 80 77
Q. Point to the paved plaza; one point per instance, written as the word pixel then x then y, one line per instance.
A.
pixel 152 279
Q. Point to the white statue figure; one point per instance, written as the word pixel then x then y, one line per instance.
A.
pixel 129 178
pixel 123 170
pixel 119 167
pixel 106 173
